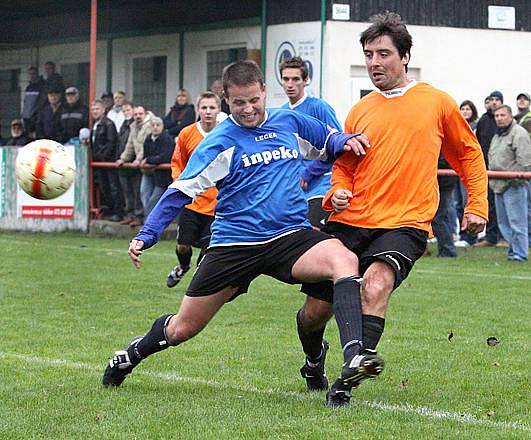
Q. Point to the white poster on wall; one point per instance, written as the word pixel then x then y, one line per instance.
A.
pixel 60 207
pixel 288 40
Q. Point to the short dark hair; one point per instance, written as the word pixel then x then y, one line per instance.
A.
pixel 129 103
pixel 472 107
pixel 98 102
pixel 392 25
pixel 508 107
pixel 49 63
pixel 241 73
pixel 295 63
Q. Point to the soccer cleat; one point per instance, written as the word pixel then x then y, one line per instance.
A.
pixel 119 366
pixel 339 395
pixel 176 275
pixel 365 365
pixel 315 376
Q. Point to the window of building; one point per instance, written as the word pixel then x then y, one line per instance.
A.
pixel 149 83
pixel 10 93
pixel 78 75
pixel 218 59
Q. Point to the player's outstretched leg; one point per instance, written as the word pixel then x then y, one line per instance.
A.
pixel 359 364
pixel 184 255
pixel 311 324
pixel 124 361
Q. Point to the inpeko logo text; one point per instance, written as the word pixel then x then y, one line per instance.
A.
pixel 267 157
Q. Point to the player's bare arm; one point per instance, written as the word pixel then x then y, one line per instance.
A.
pixel 341 199
pixel 135 250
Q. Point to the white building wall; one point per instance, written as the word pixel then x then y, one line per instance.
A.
pixel 466 63
pixel 197 44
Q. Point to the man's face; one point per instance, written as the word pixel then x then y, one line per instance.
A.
pixel 72 98
pixel 33 75
pixel 49 69
pixel 119 99
pixel 128 111
pixel 16 130
pixel 97 111
pixel 385 67
pixel 503 118
pixel 522 103
pixel 157 127
pixel 495 102
pixel 208 109
pixel 217 88
pixel 293 84
pixel 487 104
pixel 54 98
pixel 139 114
pixel 247 104
pixel 108 101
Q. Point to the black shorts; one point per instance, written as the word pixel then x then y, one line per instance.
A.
pixel 316 214
pixel 238 266
pixel 194 228
pixel 400 248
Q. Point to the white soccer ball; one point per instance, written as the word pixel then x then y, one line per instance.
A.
pixel 45 169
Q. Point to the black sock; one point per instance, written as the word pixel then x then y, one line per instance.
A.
pixel 347 309
pixel 202 253
pixel 185 258
pixel 312 342
pixel 373 327
pixel 154 341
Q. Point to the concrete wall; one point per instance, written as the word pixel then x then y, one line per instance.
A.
pixel 466 63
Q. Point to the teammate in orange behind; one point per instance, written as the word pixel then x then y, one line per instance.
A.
pixel 196 218
pixel 384 202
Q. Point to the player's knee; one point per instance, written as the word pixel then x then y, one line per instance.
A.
pixel 375 291
pixel 182 248
pixel 315 314
pixel 342 260
pixel 179 330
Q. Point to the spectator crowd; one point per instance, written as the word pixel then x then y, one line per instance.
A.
pixel 123 132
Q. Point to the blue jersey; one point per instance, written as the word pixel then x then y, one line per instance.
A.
pixel 316 173
pixel 257 172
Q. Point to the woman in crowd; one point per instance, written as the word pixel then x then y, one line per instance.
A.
pixel 181 114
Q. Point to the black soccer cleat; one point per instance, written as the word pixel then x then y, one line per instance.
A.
pixel 339 395
pixel 365 365
pixel 176 275
pixel 119 366
pixel 316 379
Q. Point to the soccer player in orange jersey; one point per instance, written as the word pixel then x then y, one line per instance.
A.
pixel 196 218
pixel 383 202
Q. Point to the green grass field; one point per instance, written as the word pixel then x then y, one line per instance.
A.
pixel 68 301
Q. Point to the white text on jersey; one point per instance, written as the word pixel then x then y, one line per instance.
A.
pixel 268 156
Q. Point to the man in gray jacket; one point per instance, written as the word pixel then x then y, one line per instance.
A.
pixel 134 149
pixel 510 150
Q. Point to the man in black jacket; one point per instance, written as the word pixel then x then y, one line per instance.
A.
pixel 34 99
pixel 74 116
pixel 485 131
pixel 103 143
pixel 49 117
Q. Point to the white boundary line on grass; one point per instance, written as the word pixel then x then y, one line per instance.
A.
pixel 382 406
pixel 169 256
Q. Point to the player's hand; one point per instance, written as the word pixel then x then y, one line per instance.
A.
pixel 135 163
pixel 358 145
pixel 135 250
pixel 119 162
pixel 304 184
pixel 473 223
pixel 340 199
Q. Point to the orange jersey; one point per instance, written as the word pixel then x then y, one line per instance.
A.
pixel 395 184
pixel 189 138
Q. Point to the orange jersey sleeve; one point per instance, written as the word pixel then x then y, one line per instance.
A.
pixel 395 184
pixel 189 138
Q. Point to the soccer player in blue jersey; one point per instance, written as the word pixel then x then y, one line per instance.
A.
pixel 260 225
pixel 315 179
